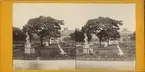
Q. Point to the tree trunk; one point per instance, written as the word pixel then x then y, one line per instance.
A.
pixel 41 40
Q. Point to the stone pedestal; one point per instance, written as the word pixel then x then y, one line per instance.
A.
pixel 29 50
pixel 85 49
pixel 88 51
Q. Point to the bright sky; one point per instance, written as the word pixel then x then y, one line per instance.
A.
pixel 74 15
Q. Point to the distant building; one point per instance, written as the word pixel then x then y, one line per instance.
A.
pixel 124 35
pixel 125 32
pixel 66 32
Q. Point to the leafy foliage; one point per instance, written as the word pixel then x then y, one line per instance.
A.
pixel 18 34
pixel 78 36
pixel 109 34
pixel 104 28
pixel 44 27
pixel 101 23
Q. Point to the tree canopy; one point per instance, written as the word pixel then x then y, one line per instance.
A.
pixel 101 23
pixel 104 28
pixel 44 27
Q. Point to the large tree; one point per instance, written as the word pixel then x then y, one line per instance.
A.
pixel 44 27
pixel 78 36
pixel 103 27
pixel 18 34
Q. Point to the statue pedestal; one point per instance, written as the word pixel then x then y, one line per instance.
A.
pixel 87 49
pixel 29 50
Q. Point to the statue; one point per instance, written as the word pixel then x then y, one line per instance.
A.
pixel 86 48
pixel 28 48
pixel 28 45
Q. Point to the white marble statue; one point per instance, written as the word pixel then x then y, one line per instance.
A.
pixel 28 48
pixel 86 48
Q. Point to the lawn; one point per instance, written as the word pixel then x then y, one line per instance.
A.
pixel 44 53
pixel 100 53
pixel 109 53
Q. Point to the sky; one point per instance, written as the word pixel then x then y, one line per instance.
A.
pixel 75 15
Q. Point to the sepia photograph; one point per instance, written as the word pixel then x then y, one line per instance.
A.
pixel 74 36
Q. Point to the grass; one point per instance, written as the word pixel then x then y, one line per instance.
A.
pixel 100 53
pixel 110 52
pixel 44 53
